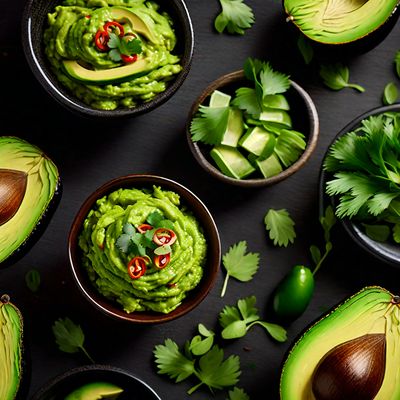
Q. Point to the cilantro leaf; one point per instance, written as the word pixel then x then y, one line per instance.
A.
pixel 336 77
pixel 215 372
pixel 228 315
pixel 246 100
pixel 280 226
pixel 238 394
pixel 247 309
pixel 129 229
pixel 239 265
pixel 115 55
pixel 235 17
pixel 273 82
pixel 199 346
pixel 305 48
pixel 154 218
pixel 276 331
pixel 397 63
pixel 129 47
pixel 209 124
pixel 172 362
pixel 113 41
pixel 69 337
pixel 32 280
pixel 123 242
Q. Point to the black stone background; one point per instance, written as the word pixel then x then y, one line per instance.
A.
pixel 88 153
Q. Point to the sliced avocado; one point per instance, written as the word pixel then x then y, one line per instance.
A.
pixel 231 162
pixel 29 187
pixel 277 101
pixel 353 352
pixel 278 117
pixel 256 140
pixel 11 345
pixel 104 76
pixel 270 166
pixel 96 391
pixel 219 99
pixel 140 23
pixel 336 22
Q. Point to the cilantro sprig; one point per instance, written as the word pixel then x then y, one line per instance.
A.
pixel 336 77
pixel 239 264
pixel 236 17
pixel 280 226
pixel 236 321
pixel 120 46
pixel 238 394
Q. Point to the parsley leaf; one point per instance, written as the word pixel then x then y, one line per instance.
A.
pixel 172 362
pixel 336 77
pixel 32 280
pixel 397 63
pixel 69 337
pixel 235 17
pixel 238 394
pixel 280 226
pixel 209 124
pixel 239 265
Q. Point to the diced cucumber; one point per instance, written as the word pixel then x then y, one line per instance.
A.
pixel 278 117
pixel 255 140
pixel 276 101
pixel 270 166
pixel 231 162
pixel 219 99
pixel 234 129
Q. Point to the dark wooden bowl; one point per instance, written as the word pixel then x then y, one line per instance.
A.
pixel 62 385
pixel 33 25
pixel 303 113
pixel 199 210
pixel 388 252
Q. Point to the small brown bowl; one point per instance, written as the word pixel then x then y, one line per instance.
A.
pixel 199 210
pixel 303 113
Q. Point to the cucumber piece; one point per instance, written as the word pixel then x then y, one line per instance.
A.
pixel 270 166
pixel 277 101
pixel 219 99
pixel 255 140
pixel 231 162
pixel 234 129
pixel 279 117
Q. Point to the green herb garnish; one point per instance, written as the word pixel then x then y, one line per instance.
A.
pixel 236 321
pixel 69 337
pixel 32 280
pixel 238 394
pixel 305 48
pixel 390 94
pixel 201 344
pixel 336 77
pixel 236 17
pixel 120 46
pixel 239 265
pixel 280 226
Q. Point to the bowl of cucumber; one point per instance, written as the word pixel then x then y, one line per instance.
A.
pixel 253 127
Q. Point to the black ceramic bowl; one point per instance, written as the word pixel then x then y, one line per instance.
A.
pixel 34 22
pixel 303 113
pixel 388 252
pixel 62 385
pixel 188 200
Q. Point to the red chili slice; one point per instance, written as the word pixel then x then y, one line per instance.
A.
pixel 101 39
pixel 144 228
pixel 164 236
pixel 137 267
pixel 114 25
pixel 129 59
pixel 162 261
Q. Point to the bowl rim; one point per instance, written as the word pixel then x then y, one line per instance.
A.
pixel 258 182
pixel 144 317
pixel 72 103
pixel 93 367
pixel 379 250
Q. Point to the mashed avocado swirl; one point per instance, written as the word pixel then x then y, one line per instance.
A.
pixel 158 290
pixel 71 36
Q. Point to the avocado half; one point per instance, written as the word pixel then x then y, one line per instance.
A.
pixel 11 345
pixel 30 189
pixel 353 352
pixel 341 22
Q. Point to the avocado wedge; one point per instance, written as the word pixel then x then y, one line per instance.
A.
pixel 340 22
pixel 353 352
pixel 29 191
pixel 96 391
pixel 11 336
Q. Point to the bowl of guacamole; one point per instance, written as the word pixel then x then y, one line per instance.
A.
pixel 108 58
pixel 144 249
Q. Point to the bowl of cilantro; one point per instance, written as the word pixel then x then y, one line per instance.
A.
pixel 253 127
pixel 361 178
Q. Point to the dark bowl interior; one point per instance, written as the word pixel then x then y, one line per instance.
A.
pixel 61 386
pixel 34 23
pixel 304 116
pixel 193 204
pixel 388 252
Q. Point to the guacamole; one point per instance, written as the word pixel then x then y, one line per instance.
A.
pixel 111 53
pixel 159 289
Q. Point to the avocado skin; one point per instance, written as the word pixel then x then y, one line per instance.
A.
pixel 37 231
pixel 337 52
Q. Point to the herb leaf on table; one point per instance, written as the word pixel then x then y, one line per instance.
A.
pixel 336 77
pixel 238 394
pixel 239 264
pixel 32 280
pixel 199 346
pixel 236 17
pixel 305 48
pixel 280 226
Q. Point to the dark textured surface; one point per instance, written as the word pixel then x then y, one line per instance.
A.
pixel 89 153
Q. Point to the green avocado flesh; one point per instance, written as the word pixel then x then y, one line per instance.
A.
pixel 338 21
pixel 96 391
pixel 351 353
pixel 28 182
pixel 11 327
